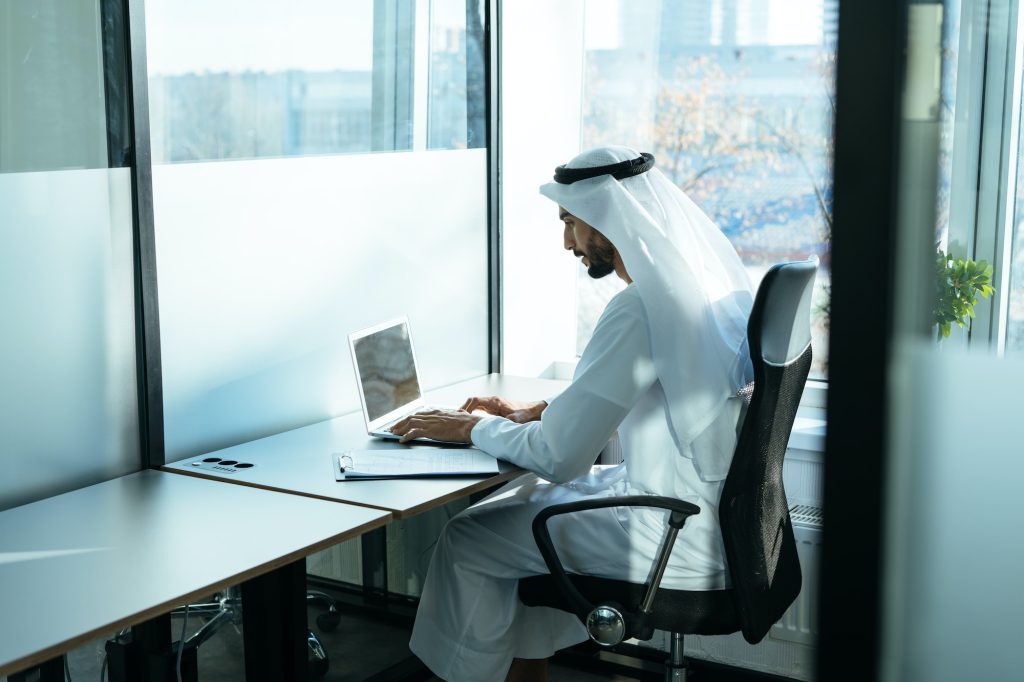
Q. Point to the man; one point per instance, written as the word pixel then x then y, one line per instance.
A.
pixel 662 368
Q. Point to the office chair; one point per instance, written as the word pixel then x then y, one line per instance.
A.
pixel 754 514
pixel 226 607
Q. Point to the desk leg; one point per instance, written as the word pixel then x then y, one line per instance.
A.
pixel 152 644
pixel 274 624
pixel 50 671
pixel 374 546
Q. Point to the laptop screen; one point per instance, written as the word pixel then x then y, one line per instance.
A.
pixel 386 369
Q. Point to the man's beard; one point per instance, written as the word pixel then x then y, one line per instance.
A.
pixel 601 256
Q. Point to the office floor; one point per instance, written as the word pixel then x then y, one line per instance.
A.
pixel 375 648
pixel 358 649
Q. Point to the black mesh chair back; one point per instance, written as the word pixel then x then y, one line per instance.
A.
pixel 753 510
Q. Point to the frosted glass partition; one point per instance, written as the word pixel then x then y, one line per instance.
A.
pixel 52 106
pixel 953 591
pixel 265 266
pixel 68 405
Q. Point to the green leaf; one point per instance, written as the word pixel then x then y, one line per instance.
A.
pixel 958 284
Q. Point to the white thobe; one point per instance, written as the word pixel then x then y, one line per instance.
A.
pixel 470 623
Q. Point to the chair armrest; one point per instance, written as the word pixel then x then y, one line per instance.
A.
pixel 679 512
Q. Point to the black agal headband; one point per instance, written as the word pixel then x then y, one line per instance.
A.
pixel 619 171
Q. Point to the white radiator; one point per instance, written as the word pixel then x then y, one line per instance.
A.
pixel 789 647
pixel 800 622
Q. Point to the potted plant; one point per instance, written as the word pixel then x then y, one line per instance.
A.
pixel 958 283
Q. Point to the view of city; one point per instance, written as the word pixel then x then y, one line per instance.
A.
pixel 735 100
pixel 251 105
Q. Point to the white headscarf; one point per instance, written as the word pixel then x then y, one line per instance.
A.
pixel 695 290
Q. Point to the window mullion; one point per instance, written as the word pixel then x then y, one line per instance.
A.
pixel 421 74
pixel 1007 205
pixel 392 115
pixel 965 156
pixel 965 161
pixel 998 166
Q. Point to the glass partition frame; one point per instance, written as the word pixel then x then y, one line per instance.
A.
pixel 869 81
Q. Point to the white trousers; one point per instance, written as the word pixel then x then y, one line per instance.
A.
pixel 470 623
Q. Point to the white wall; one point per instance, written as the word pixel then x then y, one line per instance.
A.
pixel 265 266
pixel 542 66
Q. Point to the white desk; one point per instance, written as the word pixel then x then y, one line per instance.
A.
pixel 299 461
pixel 89 562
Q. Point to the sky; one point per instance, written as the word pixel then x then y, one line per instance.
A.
pixel 184 36
pixel 771 22
pixel 192 36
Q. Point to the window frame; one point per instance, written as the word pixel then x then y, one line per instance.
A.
pixel 989 236
pixel 998 157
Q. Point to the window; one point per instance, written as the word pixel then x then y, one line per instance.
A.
pixel 457 116
pixel 267 78
pixel 947 107
pixel 277 227
pixel 1015 321
pixel 735 101
pixel 979 187
pixel 259 78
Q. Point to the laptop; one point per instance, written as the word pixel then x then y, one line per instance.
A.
pixel 386 374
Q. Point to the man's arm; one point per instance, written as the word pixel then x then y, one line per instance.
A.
pixel 615 370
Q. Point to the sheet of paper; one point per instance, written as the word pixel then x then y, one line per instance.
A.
pixel 418 462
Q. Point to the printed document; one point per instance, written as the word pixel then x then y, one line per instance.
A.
pixel 413 463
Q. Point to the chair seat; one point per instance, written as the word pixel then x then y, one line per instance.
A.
pixel 709 612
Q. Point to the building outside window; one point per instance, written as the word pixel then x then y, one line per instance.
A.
pixel 735 100
pixel 265 78
pixel 457 97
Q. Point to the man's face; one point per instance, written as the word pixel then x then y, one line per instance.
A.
pixel 585 242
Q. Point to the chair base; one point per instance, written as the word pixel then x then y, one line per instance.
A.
pixel 228 609
pixel 675 666
pixel 675 674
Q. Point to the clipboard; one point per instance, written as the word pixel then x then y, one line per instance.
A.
pixel 368 465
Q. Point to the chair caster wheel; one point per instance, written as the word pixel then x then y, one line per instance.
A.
pixel 317 661
pixel 328 621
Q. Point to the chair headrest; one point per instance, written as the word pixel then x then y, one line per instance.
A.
pixel 779 327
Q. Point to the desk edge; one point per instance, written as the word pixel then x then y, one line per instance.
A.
pixel 482 484
pixel 8 668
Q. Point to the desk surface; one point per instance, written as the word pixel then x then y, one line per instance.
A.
pixel 93 561
pixel 299 461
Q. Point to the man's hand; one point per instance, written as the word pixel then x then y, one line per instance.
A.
pixel 514 410
pixel 453 426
